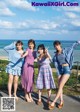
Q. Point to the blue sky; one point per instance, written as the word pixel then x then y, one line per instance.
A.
pixel 20 20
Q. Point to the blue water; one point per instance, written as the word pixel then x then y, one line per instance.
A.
pixel 48 44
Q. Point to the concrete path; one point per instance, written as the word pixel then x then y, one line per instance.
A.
pixel 72 104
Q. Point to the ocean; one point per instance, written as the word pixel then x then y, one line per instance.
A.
pixel 48 44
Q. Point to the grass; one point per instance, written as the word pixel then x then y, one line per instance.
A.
pixel 69 88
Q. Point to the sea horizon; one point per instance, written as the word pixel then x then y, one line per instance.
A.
pixel 48 44
pixel 40 39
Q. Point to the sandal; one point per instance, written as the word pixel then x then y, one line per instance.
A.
pixel 60 105
pixel 16 97
pixel 31 100
pixel 51 107
pixel 27 100
pixel 39 102
pixel 48 102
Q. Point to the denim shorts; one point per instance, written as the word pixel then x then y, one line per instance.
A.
pixel 64 70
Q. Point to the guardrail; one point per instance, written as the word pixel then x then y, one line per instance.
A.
pixel 77 72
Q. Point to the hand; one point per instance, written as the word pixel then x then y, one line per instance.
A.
pixel 22 56
pixel 46 51
pixel 79 41
pixel 14 42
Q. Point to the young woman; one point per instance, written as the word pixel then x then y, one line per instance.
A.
pixel 45 76
pixel 15 50
pixel 63 60
pixel 28 70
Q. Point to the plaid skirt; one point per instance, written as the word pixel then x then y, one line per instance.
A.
pixel 45 78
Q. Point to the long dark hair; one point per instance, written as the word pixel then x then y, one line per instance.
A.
pixel 32 41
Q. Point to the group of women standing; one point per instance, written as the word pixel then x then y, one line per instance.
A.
pixel 22 64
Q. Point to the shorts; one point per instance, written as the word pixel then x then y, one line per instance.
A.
pixel 64 70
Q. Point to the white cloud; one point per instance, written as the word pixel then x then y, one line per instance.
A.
pixel 66 8
pixel 36 27
pixel 41 27
pixel 30 24
pixel 75 9
pixel 41 32
pixel 5 24
pixel 4 10
pixel 76 23
pixel 71 15
pixel 23 4
pixel 47 25
pixel 35 24
pixel 64 31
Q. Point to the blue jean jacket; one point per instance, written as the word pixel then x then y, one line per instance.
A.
pixel 68 53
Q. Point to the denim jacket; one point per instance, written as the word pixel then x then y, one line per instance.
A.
pixel 68 52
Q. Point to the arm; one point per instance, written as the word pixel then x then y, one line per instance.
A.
pixel 72 47
pixel 25 54
pixel 36 60
pixel 10 47
pixel 55 64
pixel 38 64
pixel 48 55
pixel 75 44
pixel 35 55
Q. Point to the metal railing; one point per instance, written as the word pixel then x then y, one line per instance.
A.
pixel 77 72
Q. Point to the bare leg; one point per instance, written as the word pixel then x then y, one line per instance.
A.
pixel 40 93
pixel 30 97
pixel 10 82
pixel 61 95
pixel 15 86
pixel 39 97
pixel 49 95
pixel 64 79
pixel 27 96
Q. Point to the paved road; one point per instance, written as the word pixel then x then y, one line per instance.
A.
pixel 72 104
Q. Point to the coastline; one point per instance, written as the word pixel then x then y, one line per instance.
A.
pixel 3 58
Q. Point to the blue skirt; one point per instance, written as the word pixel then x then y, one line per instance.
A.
pixel 13 70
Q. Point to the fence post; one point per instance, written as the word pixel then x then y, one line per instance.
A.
pixel 77 73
